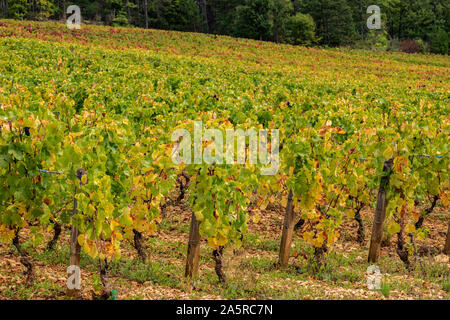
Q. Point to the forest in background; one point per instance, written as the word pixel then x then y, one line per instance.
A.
pixel 407 25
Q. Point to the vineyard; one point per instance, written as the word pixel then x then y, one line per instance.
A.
pixel 87 176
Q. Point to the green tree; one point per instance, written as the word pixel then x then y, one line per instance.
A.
pixel 254 20
pixel 121 20
pixel 222 15
pixel 440 41
pixel 181 15
pixel 301 30
pixel 281 13
pixel 44 9
pixel 17 9
pixel 334 20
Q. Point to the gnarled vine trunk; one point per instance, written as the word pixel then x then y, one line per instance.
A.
pixel 106 292
pixel 183 186
pixel 138 245
pixel 218 255
pixel 56 233
pixel 299 224
pixel 24 259
pixel 402 251
pixel 427 212
pixel 361 233
pixel 319 256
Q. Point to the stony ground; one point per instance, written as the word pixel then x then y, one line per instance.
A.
pixel 251 270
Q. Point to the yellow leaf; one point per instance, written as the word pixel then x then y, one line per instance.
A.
pixel 291 171
pixel 118 235
pixel 81 239
pixel 319 240
pixel 410 228
pixel 6 235
pixel 308 236
pixel 114 224
pixel 199 216
pixel 212 243
pixel 445 198
pixel 388 153
pixel 94 252
pixel 393 228
pixel 221 241
pixel 349 213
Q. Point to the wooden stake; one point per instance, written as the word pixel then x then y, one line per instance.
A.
pixel 288 230
pixel 447 241
pixel 193 252
pixel 380 213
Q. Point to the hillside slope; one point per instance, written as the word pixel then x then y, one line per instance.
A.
pixel 158 79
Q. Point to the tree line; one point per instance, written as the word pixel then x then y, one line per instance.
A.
pixel 408 25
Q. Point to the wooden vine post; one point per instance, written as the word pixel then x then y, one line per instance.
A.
pixel 380 213
pixel 447 241
pixel 193 251
pixel 288 230
pixel 75 248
